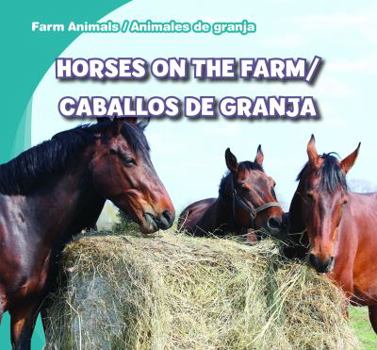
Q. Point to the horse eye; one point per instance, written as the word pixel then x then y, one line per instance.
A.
pixel 273 193
pixel 128 161
pixel 244 187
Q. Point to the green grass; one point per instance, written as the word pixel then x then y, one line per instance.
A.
pixel 363 329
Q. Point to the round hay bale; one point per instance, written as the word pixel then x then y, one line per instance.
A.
pixel 177 292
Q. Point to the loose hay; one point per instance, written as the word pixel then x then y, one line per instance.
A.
pixel 177 292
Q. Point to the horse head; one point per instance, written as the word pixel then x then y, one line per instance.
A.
pixel 122 171
pixel 323 192
pixel 254 203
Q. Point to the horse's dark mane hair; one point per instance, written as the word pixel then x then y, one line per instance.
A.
pixel 228 175
pixel 37 165
pixel 332 176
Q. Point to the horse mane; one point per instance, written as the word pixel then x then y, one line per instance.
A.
pixel 247 165
pixel 38 164
pixel 330 173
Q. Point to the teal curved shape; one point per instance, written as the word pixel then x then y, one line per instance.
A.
pixel 26 56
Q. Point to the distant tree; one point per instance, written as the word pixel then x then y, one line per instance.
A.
pixel 362 186
pixel 125 225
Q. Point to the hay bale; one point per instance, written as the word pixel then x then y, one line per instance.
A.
pixel 177 292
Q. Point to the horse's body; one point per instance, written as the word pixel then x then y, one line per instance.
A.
pixel 209 216
pixel 336 228
pixel 55 190
pixel 201 216
pixel 246 203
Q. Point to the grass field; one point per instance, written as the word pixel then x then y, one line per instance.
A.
pixel 362 327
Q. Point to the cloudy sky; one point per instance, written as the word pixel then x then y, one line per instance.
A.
pixel 189 156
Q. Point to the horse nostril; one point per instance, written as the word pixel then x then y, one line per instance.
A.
pixel 274 223
pixel 331 263
pixel 168 216
pixel 166 220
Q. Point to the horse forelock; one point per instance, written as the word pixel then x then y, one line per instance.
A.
pixel 246 165
pixel 331 175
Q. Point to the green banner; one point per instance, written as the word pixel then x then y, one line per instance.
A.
pixel 25 58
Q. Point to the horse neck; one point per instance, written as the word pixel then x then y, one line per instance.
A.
pixel 296 217
pixel 224 213
pixel 58 205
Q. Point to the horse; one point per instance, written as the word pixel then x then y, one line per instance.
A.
pixel 57 188
pixel 336 228
pixel 246 204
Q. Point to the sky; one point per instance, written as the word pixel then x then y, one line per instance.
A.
pixel 189 155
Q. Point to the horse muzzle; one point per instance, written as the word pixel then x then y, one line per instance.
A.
pixel 158 222
pixel 274 225
pixel 322 266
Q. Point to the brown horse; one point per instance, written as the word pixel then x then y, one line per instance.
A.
pixel 336 228
pixel 53 191
pixel 246 203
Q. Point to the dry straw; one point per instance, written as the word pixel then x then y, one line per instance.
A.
pixel 172 291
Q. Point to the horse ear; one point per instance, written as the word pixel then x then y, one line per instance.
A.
pixel 231 161
pixel 347 163
pixel 131 120
pixel 116 125
pixel 142 123
pixel 260 156
pixel 312 151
